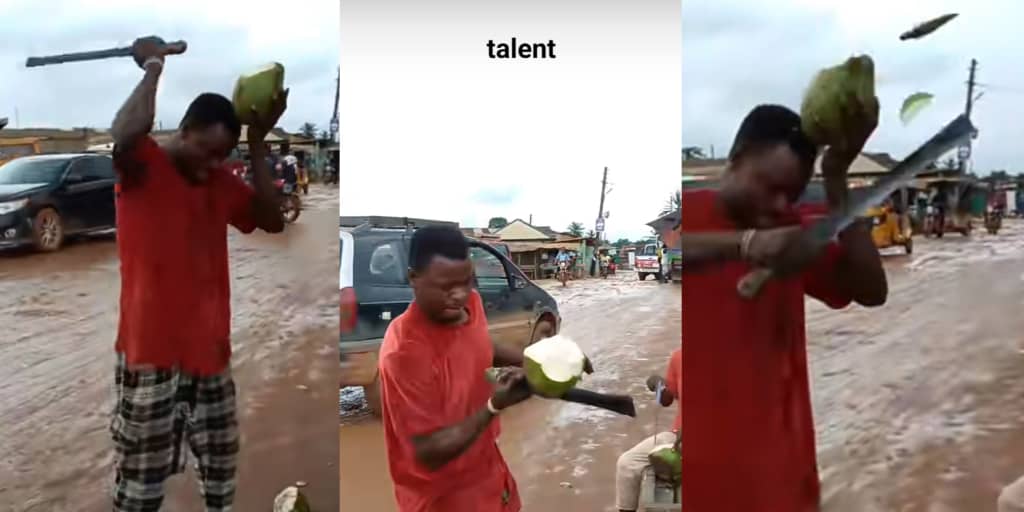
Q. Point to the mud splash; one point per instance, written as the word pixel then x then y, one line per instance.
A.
pixel 59 314
pixel 562 455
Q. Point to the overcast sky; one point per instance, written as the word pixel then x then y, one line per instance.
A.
pixel 739 53
pixel 225 39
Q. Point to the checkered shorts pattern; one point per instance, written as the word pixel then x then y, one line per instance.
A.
pixel 155 414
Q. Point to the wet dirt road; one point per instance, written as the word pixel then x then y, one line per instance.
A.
pixel 562 455
pixel 919 406
pixel 59 315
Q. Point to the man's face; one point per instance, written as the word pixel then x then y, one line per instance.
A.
pixel 763 186
pixel 204 149
pixel 442 288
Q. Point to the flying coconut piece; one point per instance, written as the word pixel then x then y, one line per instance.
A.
pixel 291 499
pixel 913 105
pixel 3 122
pixel 847 86
pixel 553 365
pixel 927 27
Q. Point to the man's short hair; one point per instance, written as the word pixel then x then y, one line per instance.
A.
pixel 767 126
pixel 430 241
pixel 210 109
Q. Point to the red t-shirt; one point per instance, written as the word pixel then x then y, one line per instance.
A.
pixel 674 382
pixel 432 376
pixel 749 436
pixel 172 241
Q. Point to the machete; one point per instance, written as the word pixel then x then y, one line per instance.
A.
pixel 822 232
pixel 621 404
pixel 173 48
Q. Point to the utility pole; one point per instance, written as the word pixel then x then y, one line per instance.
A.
pixel 599 224
pixel 970 88
pixel 965 151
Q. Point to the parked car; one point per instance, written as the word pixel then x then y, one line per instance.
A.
pixel 46 198
pixel 375 290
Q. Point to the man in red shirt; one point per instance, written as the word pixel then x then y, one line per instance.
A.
pixel 174 203
pixel 439 411
pixel 630 467
pixel 749 432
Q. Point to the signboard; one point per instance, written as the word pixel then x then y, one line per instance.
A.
pixel 599 225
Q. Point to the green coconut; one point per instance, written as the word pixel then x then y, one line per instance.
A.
pixel 291 499
pixel 666 461
pixel 553 365
pixel 257 90
pixel 832 90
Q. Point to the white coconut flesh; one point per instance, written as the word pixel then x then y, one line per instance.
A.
pixel 559 358
pixel 286 500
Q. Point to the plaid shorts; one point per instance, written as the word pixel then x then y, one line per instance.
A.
pixel 155 413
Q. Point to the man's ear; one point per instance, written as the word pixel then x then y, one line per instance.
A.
pixel 412 275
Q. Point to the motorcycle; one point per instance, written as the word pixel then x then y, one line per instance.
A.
pixel 291 204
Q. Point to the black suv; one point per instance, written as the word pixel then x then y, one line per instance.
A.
pixel 375 289
pixel 45 198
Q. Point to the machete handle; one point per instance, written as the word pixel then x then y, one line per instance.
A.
pixel 750 285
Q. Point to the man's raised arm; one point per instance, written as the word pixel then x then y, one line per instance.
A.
pixel 135 118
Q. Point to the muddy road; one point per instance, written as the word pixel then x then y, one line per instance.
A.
pixel 562 455
pixel 59 315
pixel 919 406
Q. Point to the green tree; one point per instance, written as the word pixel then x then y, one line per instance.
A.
pixel 308 130
pixel 591 234
pixel 497 223
pixel 575 229
pixel 622 242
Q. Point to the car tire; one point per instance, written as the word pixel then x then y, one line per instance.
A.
pixel 643 277
pixel 47 230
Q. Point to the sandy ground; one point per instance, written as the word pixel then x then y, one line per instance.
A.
pixel 918 405
pixel 59 313
pixel 562 455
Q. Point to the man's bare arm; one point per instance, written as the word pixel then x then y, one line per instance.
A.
pixel 701 249
pixel 507 356
pixel 860 272
pixel 135 118
pixel 440 447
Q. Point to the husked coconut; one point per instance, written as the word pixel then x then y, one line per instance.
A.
pixel 257 90
pixel 846 86
pixel 553 365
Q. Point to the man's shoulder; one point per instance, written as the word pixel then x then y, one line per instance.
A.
pixel 401 340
